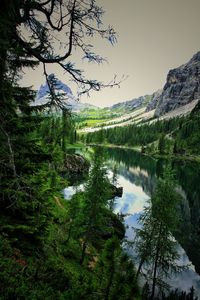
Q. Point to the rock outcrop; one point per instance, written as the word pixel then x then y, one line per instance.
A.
pixel 132 104
pixel 181 88
pixel 75 164
pixel 115 191
pixel 66 95
pixel 154 101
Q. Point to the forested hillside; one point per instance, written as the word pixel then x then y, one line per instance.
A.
pixel 51 248
pixel 178 135
pixel 74 249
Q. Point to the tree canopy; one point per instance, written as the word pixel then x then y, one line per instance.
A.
pixel 48 32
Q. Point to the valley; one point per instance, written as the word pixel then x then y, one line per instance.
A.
pixel 138 116
pixel 178 97
pixel 99 203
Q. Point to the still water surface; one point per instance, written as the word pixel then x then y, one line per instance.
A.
pixel 137 174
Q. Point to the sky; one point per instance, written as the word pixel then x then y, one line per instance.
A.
pixel 153 36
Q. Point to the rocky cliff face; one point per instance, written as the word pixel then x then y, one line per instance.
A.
pixel 132 104
pixel 181 88
pixel 75 164
pixel 154 101
pixel 60 86
pixel 68 99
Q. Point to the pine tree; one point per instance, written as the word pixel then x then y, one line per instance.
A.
pixel 116 273
pixel 96 197
pixel 161 144
pixel 154 243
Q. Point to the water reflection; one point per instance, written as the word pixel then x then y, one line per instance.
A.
pixel 137 175
pixel 134 198
pixel 71 190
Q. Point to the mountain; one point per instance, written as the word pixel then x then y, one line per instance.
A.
pixel 154 100
pixel 60 86
pixel 128 106
pixel 179 95
pixel 62 89
pixel 182 87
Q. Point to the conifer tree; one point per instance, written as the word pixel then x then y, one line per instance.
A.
pixel 154 243
pixel 96 197
pixel 161 144
pixel 27 178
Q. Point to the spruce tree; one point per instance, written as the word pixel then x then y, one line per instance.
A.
pixel 96 197
pixel 155 244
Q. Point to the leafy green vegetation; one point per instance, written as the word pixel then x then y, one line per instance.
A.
pixel 51 248
pixel 60 255
pixel 94 117
pixel 177 136
pixel 154 243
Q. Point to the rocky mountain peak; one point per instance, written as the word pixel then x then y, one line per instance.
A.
pixel 182 86
pixel 154 101
pixel 69 100
pixel 59 86
pixel 133 104
pixel 196 57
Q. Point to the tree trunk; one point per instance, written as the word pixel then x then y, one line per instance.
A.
pixel 156 265
pixel 109 284
pixel 69 232
pixel 12 158
pixel 83 252
pixel 139 268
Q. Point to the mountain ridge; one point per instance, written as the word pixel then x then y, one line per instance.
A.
pixel 44 88
pixel 182 86
pixel 133 104
pixel 69 100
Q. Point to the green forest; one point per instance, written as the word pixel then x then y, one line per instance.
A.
pixel 176 136
pixel 51 248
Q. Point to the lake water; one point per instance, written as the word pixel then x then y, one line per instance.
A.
pixel 137 174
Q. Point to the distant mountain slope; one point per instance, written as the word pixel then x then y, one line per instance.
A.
pixel 181 88
pixel 154 100
pixel 68 98
pixel 60 86
pixel 129 106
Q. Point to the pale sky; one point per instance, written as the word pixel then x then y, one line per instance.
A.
pixel 154 36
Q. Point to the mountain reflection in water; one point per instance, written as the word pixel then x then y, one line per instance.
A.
pixel 137 174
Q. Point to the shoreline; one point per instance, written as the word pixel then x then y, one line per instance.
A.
pixel 194 158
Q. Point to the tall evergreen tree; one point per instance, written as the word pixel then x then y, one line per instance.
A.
pixel 154 243
pixel 28 269
pixel 96 197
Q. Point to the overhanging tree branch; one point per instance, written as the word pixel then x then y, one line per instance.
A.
pixel 51 30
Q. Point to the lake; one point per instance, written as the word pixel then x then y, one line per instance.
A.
pixel 137 174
